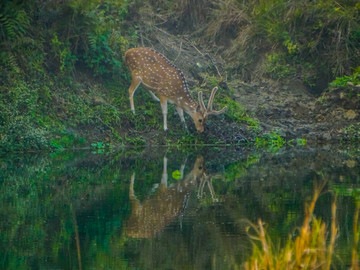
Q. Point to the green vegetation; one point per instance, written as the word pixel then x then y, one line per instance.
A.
pixel 272 141
pixel 352 133
pixel 48 51
pixel 347 81
pixel 237 113
pixel 311 40
pixel 349 84
pixel 64 82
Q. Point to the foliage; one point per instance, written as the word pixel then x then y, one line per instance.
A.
pixel 300 142
pixel 47 49
pixel 237 113
pixel 273 141
pixel 239 169
pixel 347 81
pixel 277 66
pixel 352 133
pixel 136 141
pixel 189 139
pixel 66 140
pixel 14 20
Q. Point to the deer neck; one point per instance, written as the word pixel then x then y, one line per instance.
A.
pixel 187 104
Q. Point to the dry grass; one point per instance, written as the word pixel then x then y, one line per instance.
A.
pixel 312 249
pixel 354 253
pixel 226 21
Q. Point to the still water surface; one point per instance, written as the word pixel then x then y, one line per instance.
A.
pixel 161 208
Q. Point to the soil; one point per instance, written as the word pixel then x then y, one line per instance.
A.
pixel 294 112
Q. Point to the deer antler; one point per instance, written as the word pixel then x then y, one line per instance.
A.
pixel 201 102
pixel 209 109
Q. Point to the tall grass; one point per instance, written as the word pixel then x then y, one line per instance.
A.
pixel 354 253
pixel 313 248
pixel 312 41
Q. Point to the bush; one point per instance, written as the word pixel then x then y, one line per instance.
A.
pixel 46 50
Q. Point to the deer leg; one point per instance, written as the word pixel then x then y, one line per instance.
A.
pixel 181 114
pixel 182 169
pixel 134 85
pixel 164 177
pixel 131 189
pixel 163 103
pixel 135 203
pixel 211 188
pixel 153 96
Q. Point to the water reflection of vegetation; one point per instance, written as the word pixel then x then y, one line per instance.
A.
pixel 312 248
pixel 44 197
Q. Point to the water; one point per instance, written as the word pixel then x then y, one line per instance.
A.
pixel 161 208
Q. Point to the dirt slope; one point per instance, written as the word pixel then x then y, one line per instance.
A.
pixel 288 108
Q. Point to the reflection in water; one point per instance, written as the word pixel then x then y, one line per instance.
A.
pixel 152 215
pixel 354 251
pixel 149 217
pixel 311 249
pixel 77 238
pixel 141 210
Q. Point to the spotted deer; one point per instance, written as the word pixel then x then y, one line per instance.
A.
pixel 166 82
pixel 152 215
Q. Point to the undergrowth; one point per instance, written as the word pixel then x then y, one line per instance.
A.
pixel 63 80
pixel 349 82
pixel 313 41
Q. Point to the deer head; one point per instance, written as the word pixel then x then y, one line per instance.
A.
pixel 166 82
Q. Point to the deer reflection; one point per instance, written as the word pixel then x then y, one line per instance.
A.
pixel 149 217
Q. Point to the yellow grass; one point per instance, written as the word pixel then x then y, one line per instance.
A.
pixel 312 249
pixel 354 254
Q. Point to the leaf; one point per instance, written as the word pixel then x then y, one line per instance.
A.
pixel 176 174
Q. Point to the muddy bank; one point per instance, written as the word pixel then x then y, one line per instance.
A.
pixel 296 113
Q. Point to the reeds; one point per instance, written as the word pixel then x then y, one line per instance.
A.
pixel 354 253
pixel 313 248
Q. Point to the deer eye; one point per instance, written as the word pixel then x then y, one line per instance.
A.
pixel 200 120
